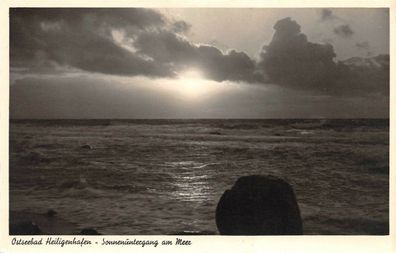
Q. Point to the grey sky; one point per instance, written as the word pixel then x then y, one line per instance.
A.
pixel 200 63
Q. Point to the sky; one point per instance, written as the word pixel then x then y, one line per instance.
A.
pixel 199 63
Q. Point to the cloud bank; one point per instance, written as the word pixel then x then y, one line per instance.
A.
pixel 143 42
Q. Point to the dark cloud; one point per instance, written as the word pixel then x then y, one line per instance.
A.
pixel 370 75
pixel 235 66
pixel 81 38
pixel 171 49
pixel 327 14
pixel 290 60
pixel 165 47
pixel 343 31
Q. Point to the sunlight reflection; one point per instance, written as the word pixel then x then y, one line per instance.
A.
pixel 190 184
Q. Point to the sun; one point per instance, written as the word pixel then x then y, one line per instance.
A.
pixel 192 86
pixel 192 83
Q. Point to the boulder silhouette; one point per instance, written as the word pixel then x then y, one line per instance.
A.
pixel 259 205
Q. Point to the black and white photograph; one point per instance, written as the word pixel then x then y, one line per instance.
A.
pixel 199 121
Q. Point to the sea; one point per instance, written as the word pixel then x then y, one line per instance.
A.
pixel 164 176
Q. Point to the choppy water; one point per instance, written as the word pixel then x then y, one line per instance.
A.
pixel 166 176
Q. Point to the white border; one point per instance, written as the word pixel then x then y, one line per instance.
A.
pixel 303 244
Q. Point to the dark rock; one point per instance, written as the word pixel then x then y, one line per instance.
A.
pixel 86 146
pixel 25 228
pixel 51 213
pixel 89 231
pixel 259 205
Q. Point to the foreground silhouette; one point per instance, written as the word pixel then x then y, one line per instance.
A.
pixel 259 205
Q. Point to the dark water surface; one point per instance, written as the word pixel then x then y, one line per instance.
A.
pixel 166 176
